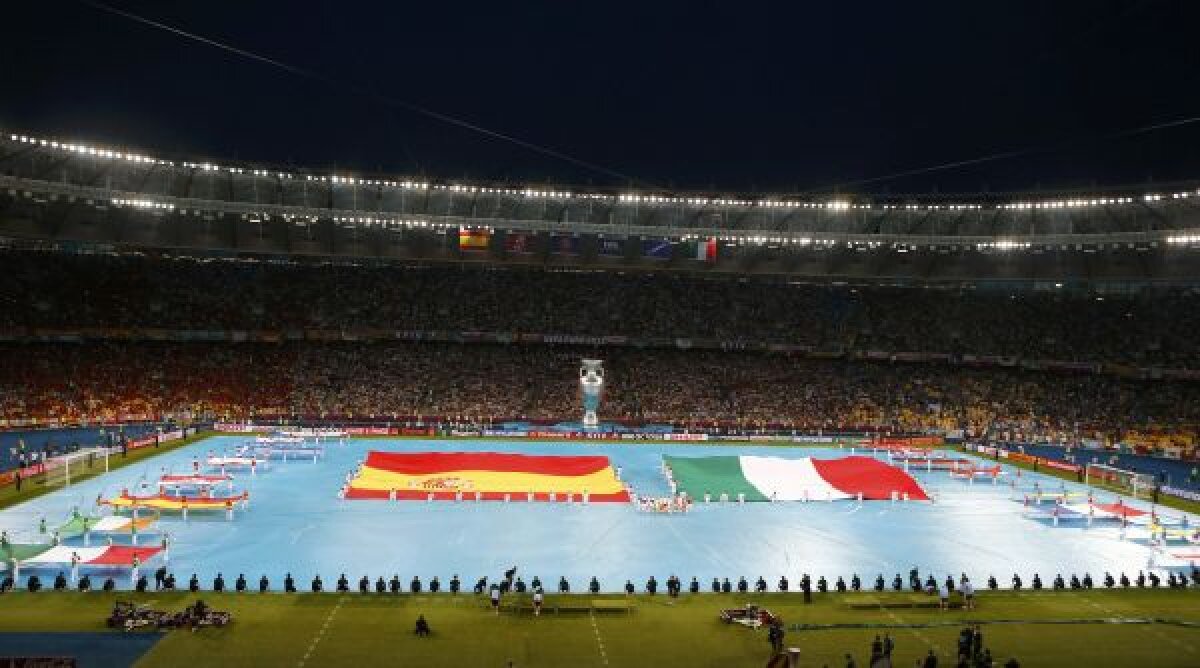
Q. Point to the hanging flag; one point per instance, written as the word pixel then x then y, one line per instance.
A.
pixel 564 244
pixel 519 242
pixel 611 247
pixel 473 240
pixel 656 249
pixel 703 249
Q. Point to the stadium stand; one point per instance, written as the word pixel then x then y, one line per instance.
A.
pixel 400 381
pixel 174 289
pixel 109 293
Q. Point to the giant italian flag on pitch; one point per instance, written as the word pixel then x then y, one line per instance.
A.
pixel 110 555
pixel 777 478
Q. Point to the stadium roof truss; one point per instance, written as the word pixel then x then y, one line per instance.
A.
pixel 81 176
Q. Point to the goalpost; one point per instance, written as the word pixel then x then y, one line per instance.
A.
pixel 1137 485
pixel 61 470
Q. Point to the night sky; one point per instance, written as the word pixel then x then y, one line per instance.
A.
pixel 723 96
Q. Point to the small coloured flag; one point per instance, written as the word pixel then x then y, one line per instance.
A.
pixel 519 242
pixel 703 249
pixel 656 249
pixel 564 244
pixel 473 240
pixel 611 247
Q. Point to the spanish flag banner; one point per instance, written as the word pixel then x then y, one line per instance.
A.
pixel 473 240
pixel 485 476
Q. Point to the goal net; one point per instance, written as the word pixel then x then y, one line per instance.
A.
pixel 1137 485
pixel 63 470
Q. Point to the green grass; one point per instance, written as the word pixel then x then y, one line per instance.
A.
pixel 369 630
pixel 36 486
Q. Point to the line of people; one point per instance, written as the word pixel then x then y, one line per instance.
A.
pixel 673 586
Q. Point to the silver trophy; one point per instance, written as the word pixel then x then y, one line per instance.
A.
pixel 591 385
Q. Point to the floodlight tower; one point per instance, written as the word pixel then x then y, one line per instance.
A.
pixel 591 385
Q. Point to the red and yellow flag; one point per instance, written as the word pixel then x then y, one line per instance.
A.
pixel 493 475
pixel 473 239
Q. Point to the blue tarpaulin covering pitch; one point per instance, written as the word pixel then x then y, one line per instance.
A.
pixel 90 650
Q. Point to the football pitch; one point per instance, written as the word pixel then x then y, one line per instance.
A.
pixel 1085 628
pixel 296 523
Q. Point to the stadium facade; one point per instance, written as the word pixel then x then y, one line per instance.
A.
pixel 75 194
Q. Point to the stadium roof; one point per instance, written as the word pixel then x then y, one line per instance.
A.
pixel 85 174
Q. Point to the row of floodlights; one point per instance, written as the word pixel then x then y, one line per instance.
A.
pixel 209 167
pixel 90 150
pixel 1075 203
pixel 630 198
pixel 998 245
pixel 397 222
pixel 144 204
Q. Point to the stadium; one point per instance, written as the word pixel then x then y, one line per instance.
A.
pixel 256 413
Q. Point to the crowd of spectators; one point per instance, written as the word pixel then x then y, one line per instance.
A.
pixel 61 290
pixel 113 381
pixel 657 379
pixel 490 383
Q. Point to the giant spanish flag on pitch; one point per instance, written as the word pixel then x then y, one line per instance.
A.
pixel 493 475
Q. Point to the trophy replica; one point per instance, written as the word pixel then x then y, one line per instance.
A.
pixel 591 384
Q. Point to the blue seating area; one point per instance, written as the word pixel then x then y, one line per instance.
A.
pixel 61 440
pixel 1171 472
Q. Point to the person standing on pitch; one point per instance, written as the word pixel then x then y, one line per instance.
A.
pixel 775 637
pixel 496 598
